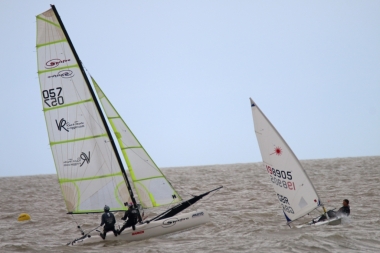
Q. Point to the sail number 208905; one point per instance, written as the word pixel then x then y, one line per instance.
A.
pixel 277 177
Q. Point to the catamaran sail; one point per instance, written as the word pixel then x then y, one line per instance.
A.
pixel 293 187
pixel 89 167
pixel 89 171
pixel 153 189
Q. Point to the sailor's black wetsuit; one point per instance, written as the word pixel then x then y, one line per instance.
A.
pixel 345 210
pixel 108 220
pixel 131 214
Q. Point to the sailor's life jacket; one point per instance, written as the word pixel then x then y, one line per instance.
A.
pixel 131 214
pixel 108 219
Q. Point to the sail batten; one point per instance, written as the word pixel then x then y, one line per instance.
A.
pixel 48 21
pixel 76 103
pixel 50 43
pixel 78 139
pixel 60 68
pixel 293 188
pixel 65 180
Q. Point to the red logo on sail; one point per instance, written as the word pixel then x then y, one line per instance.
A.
pixel 277 151
pixel 53 63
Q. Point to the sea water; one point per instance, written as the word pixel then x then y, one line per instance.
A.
pixel 245 215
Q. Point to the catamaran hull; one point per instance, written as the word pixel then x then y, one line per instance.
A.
pixel 153 229
pixel 333 221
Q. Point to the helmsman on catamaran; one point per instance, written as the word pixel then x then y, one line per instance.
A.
pixel 130 216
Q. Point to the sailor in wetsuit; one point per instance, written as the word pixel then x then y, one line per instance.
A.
pixel 131 214
pixel 343 211
pixel 108 220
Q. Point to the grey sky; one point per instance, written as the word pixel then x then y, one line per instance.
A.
pixel 181 73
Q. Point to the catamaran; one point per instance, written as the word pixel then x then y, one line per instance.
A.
pixel 292 186
pixel 92 145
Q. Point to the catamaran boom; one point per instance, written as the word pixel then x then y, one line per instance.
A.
pixel 182 206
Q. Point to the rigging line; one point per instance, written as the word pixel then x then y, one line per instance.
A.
pixel 78 226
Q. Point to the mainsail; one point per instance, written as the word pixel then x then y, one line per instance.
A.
pixel 293 188
pixel 153 189
pixel 89 171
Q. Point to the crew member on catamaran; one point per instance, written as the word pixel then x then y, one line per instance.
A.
pixel 131 215
pixel 108 220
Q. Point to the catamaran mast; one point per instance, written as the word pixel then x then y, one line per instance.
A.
pixel 98 108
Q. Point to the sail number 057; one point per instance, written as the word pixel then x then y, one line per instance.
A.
pixel 52 97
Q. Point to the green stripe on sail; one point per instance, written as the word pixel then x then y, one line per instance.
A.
pixel 54 69
pixel 79 139
pixel 121 147
pixel 117 195
pixel 151 198
pixel 117 117
pixel 69 180
pixel 61 106
pixel 51 43
pixel 48 21
pixel 154 203
pixel 78 196
pixel 131 147
pixel 148 178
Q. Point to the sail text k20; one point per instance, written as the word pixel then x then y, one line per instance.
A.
pixel 277 177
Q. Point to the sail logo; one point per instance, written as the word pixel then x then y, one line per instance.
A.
pixel 277 151
pixel 63 74
pixel 85 158
pixel 197 215
pixel 172 221
pixel 53 63
pixel 63 124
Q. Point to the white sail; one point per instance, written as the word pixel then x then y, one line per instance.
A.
pixel 87 167
pixel 153 189
pixel 293 188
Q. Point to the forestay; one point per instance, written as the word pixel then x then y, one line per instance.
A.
pixel 153 189
pixel 293 188
pixel 87 168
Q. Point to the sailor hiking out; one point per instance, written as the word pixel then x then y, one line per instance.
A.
pixel 108 220
pixel 343 211
pixel 130 216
